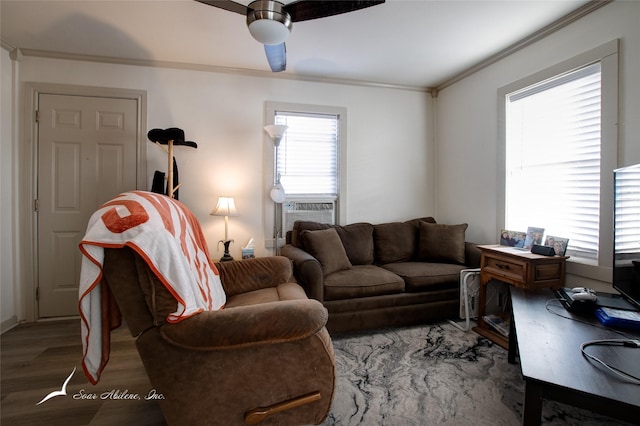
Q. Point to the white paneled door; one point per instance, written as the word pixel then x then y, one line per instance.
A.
pixel 86 155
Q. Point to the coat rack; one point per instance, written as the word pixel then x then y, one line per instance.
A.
pixel 170 137
pixel 170 189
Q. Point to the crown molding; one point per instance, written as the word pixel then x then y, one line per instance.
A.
pixel 6 45
pixel 214 69
pixel 530 39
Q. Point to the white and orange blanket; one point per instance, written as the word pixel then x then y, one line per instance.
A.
pixel 168 236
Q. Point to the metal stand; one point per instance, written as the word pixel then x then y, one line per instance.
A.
pixel 464 285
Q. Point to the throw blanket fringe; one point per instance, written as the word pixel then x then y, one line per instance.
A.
pixel 169 238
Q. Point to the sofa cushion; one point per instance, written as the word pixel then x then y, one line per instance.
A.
pixel 299 226
pixel 394 242
pixel 278 293
pixel 416 222
pixel 253 274
pixel 246 326
pixel 361 281
pixel 326 246
pixel 421 276
pixel 442 243
pixel 357 239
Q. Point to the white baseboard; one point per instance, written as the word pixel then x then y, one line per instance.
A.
pixel 8 324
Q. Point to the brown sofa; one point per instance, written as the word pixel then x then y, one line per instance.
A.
pixel 371 276
pixel 266 357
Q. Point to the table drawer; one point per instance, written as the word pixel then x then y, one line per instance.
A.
pixel 508 269
pixel 544 273
pixel 548 272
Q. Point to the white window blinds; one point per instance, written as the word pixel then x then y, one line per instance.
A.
pixel 553 158
pixel 308 154
pixel 627 212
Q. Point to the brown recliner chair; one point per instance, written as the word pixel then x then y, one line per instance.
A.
pixel 266 357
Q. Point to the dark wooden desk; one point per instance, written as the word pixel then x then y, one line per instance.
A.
pixel 554 368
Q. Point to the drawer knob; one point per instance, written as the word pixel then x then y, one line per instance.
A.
pixel 502 266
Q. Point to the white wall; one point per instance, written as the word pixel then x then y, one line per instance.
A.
pixel 388 135
pixel 7 286
pixel 467 122
pixel 389 139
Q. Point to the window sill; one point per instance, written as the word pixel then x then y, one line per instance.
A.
pixel 589 268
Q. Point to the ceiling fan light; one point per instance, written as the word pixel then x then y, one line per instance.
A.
pixel 268 32
pixel 268 22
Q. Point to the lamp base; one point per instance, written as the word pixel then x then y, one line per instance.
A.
pixel 226 257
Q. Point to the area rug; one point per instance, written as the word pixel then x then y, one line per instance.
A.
pixel 434 375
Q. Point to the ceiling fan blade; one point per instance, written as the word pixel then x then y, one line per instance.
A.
pixel 229 5
pixel 304 10
pixel 277 56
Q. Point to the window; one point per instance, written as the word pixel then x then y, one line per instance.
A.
pixel 558 151
pixel 308 154
pixel 553 158
pixel 311 164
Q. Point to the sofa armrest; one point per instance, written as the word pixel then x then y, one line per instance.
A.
pixel 472 255
pixel 307 270
pixel 243 276
pixel 245 326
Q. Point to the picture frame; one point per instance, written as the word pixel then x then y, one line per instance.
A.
pixel 512 238
pixel 559 244
pixel 534 236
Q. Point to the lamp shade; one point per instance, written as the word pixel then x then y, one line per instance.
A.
pixel 276 132
pixel 225 207
pixel 268 22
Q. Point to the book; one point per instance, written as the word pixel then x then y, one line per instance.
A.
pixel 498 323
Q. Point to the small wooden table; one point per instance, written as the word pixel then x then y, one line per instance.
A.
pixel 519 268
pixel 553 366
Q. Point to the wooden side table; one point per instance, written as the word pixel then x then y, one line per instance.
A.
pixel 519 268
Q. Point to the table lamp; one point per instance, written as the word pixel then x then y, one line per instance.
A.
pixel 226 207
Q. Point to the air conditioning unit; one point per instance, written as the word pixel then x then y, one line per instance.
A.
pixel 310 210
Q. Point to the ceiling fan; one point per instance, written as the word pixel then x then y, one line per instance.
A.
pixel 270 21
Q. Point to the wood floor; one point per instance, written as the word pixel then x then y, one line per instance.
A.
pixel 37 358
